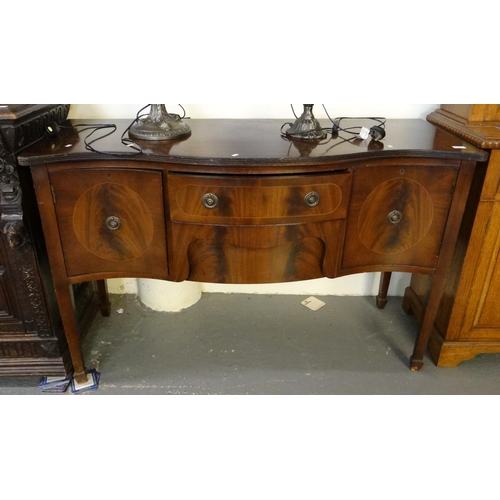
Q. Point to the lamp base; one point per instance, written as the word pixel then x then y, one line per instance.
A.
pixel 307 127
pixel 159 126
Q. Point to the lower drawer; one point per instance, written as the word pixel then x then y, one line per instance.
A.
pixel 255 254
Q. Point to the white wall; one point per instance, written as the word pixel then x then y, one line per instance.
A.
pixel 177 296
pixel 114 111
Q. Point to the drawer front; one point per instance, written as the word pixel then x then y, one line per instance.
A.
pixel 255 253
pixel 258 200
pixel 111 220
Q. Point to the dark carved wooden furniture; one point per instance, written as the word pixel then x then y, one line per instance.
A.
pixel 32 340
pixel 237 203
pixel 468 319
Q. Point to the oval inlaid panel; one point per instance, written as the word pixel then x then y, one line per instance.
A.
pixel 384 234
pixel 96 206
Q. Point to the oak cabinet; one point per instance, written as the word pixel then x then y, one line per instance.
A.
pixel 468 320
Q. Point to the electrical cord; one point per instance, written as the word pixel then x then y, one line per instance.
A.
pixel 377 132
pixel 328 130
pixel 52 129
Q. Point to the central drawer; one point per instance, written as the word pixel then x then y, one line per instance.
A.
pixel 237 200
pixel 257 229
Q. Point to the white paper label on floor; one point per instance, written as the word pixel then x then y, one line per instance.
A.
pixel 313 303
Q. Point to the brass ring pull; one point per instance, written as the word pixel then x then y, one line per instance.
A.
pixel 395 217
pixel 113 223
pixel 312 199
pixel 210 201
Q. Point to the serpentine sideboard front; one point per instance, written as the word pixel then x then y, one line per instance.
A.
pixel 235 202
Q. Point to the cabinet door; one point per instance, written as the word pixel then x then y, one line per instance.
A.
pixel 490 313
pixel 397 216
pixel 111 221
pixel 478 317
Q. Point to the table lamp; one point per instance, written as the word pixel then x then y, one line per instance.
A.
pixel 159 125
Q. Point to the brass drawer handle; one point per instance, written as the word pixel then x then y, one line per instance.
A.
pixel 312 199
pixel 210 201
pixel 113 223
pixel 395 217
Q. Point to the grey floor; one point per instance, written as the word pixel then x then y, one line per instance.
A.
pixel 266 345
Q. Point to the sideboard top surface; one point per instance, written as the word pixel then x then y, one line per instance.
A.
pixel 239 142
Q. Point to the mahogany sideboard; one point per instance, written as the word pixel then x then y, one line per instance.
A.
pixel 468 319
pixel 235 202
pixel 32 340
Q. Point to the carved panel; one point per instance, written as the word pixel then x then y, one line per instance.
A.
pixel 27 301
pixel 6 306
pixel 3 150
pixel 17 236
pixel 23 304
pixel 10 190
pixel 27 282
pixel 29 349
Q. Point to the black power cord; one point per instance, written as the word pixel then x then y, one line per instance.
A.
pixel 53 128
